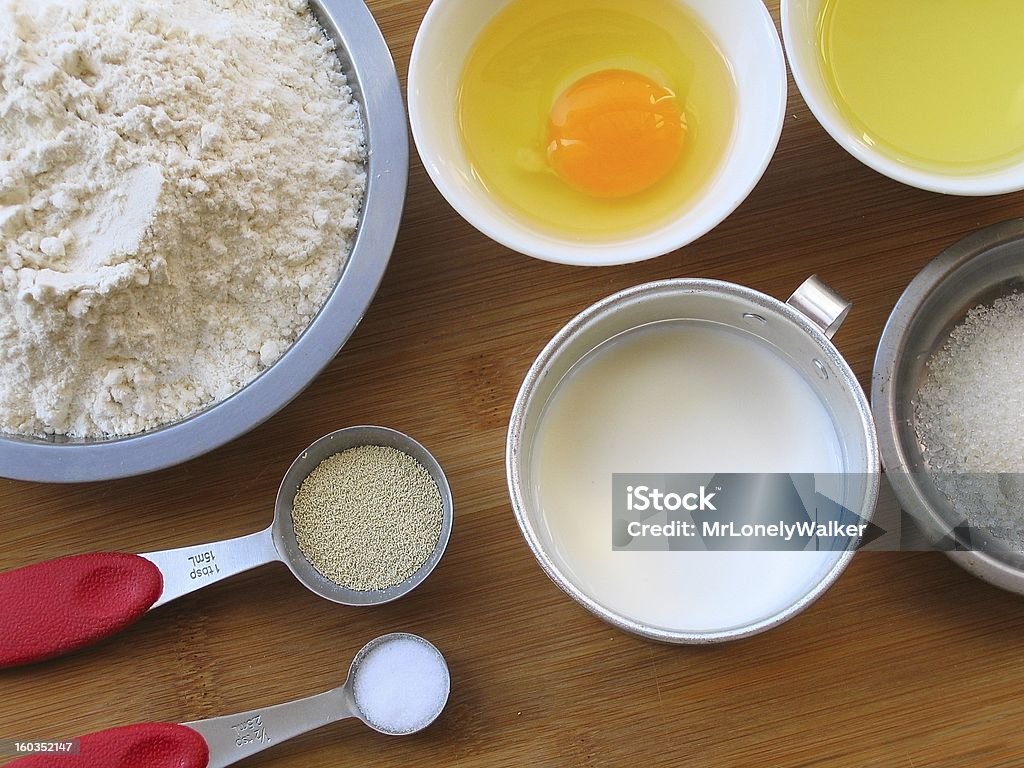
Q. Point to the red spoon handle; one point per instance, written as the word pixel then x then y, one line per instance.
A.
pixel 49 609
pixel 153 745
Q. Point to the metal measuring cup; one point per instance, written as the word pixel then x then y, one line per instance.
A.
pixel 51 608
pixel 222 741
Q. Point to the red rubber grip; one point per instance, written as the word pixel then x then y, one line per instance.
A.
pixel 153 745
pixel 49 609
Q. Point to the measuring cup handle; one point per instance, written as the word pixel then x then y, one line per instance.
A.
pixel 153 745
pixel 821 305
pixel 49 609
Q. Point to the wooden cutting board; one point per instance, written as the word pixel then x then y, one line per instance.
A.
pixel 906 661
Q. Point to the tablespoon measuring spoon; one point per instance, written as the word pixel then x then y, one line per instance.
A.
pixel 51 608
pixel 397 684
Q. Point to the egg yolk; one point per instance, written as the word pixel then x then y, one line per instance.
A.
pixel 615 133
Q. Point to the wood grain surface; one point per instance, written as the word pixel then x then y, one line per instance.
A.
pixel 906 661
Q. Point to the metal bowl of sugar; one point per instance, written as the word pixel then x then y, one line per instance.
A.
pixel 978 272
pixel 686 376
pixel 367 62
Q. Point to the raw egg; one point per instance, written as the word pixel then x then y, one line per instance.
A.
pixel 614 133
pixel 595 118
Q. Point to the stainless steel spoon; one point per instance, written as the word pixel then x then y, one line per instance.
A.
pixel 223 741
pixel 52 608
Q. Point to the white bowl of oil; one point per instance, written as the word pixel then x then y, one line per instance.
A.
pixel 930 94
pixel 596 132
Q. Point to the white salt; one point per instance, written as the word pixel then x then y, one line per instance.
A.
pixel 401 685
pixel 969 417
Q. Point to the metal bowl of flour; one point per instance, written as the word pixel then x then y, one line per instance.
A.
pixel 371 74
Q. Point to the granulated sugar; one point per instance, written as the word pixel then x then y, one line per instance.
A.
pixel 179 189
pixel 969 416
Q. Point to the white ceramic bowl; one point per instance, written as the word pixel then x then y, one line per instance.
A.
pixel 799 22
pixel 747 37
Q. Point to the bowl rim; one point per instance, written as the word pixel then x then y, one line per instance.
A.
pixel 370 68
pixel 514 447
pixel 547 247
pixel 964 185
pixel 936 273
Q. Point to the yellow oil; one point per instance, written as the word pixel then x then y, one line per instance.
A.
pixel 533 50
pixel 935 84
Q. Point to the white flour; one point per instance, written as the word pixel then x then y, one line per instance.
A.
pixel 179 189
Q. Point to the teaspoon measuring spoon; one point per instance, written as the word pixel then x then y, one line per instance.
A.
pixel 52 608
pixel 223 741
